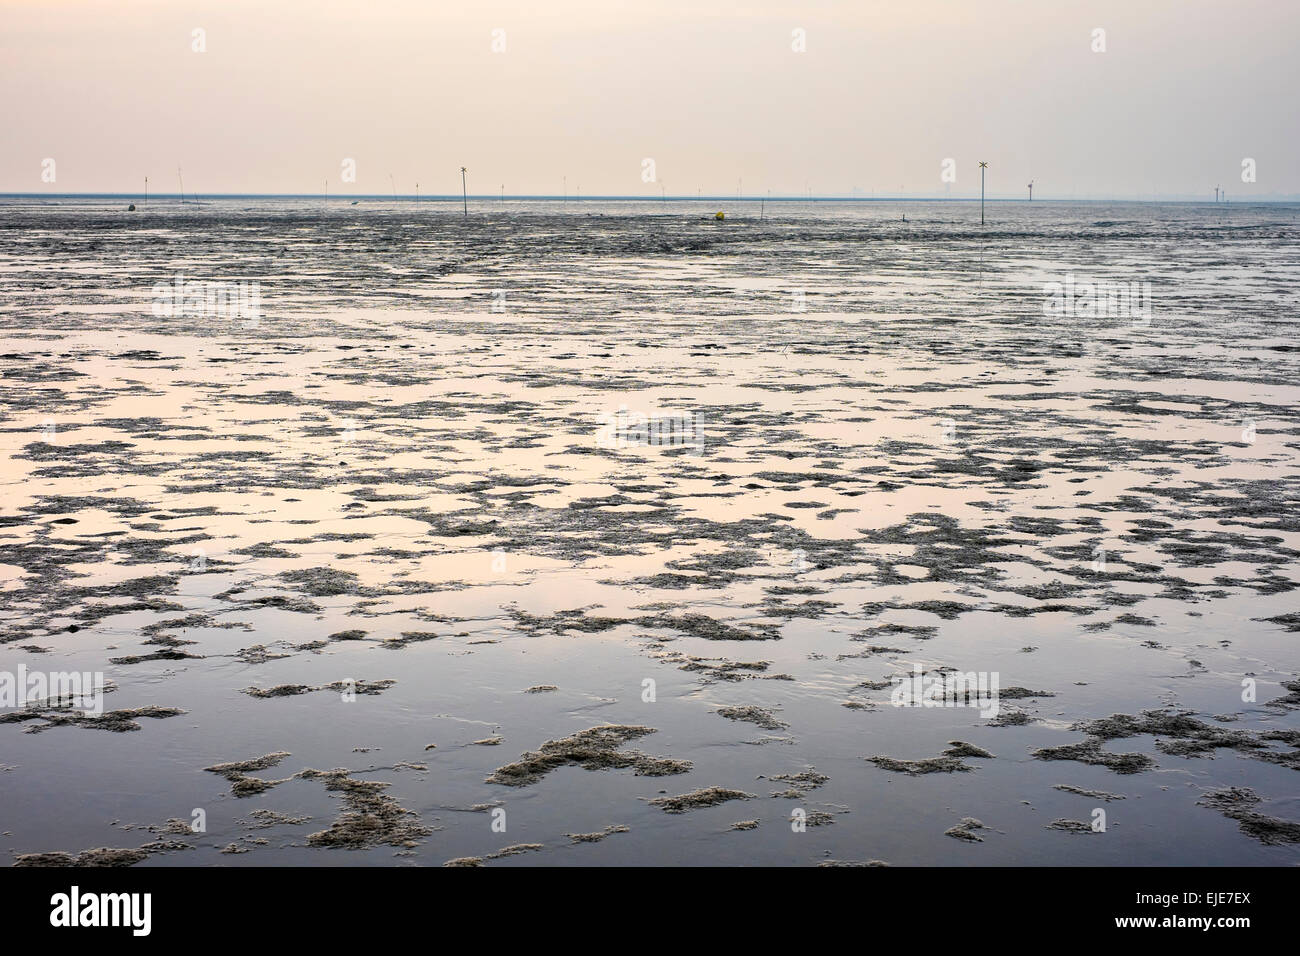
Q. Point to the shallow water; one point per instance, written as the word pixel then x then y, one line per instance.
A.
pixel 397 473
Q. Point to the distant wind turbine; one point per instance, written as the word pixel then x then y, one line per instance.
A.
pixel 1031 190
pixel 182 179
pixel 464 191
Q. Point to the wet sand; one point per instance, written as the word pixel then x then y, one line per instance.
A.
pixel 368 587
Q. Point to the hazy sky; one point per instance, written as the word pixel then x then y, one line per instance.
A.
pixel 712 92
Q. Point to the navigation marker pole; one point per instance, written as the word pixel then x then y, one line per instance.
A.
pixel 983 166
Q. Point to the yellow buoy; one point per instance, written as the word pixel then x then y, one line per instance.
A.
pixel 718 215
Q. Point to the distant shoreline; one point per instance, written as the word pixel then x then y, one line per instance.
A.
pixel 711 200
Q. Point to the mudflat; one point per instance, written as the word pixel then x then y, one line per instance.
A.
pixel 362 515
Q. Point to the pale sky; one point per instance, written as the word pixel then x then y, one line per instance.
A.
pixel 713 92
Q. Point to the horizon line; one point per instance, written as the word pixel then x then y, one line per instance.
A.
pixel 1283 198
